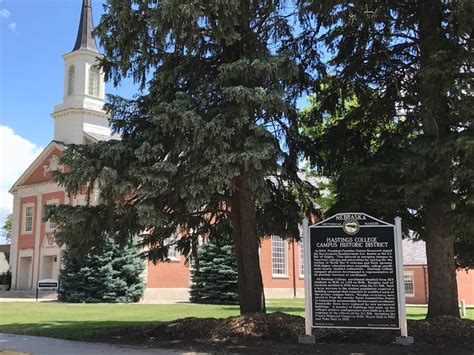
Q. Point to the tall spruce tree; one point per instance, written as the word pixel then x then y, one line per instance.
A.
pixel 211 137
pixel 406 147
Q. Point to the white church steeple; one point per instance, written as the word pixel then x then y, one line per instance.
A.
pixel 81 115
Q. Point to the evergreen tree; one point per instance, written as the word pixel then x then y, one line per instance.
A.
pixel 405 147
pixel 7 228
pixel 211 137
pixel 105 272
pixel 214 276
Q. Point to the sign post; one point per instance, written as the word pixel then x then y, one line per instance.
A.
pixel 46 284
pixel 308 338
pixel 354 275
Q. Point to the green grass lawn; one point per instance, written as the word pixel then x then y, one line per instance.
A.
pixel 74 321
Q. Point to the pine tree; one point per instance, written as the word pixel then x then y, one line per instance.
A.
pixel 212 137
pixel 104 272
pixel 7 228
pixel 214 276
pixel 405 148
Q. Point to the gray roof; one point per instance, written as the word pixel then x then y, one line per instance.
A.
pixel 84 39
pixel 414 252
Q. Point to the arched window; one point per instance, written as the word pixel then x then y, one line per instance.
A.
pixel 70 80
pixel 94 77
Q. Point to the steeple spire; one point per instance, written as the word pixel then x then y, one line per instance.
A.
pixel 84 39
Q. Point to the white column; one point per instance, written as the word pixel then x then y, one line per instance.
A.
pixel 36 251
pixel 14 239
pixel 401 285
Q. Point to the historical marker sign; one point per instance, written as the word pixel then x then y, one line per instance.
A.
pixel 354 275
pixel 353 267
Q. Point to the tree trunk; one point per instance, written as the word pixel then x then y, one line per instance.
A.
pixel 443 295
pixel 244 222
pixel 442 285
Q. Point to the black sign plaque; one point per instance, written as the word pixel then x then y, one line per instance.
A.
pixel 353 273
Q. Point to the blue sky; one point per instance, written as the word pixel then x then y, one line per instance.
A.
pixel 34 34
pixel 31 67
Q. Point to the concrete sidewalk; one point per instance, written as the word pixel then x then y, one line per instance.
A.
pixel 11 344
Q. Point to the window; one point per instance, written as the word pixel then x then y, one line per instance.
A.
pixel 94 78
pixel 70 80
pixel 300 245
pixel 279 257
pixel 80 201
pixel 50 226
pixel 409 283
pixel 173 253
pixel 28 212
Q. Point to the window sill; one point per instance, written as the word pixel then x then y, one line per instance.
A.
pixel 280 276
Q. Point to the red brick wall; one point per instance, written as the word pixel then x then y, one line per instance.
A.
pixel 466 286
pixel 27 240
pixel 38 174
pixel 172 274
pixel 270 281
pixel 59 195
pixel 419 285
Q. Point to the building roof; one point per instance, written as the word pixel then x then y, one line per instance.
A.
pixel 49 148
pixel 414 252
pixel 101 137
pixel 85 40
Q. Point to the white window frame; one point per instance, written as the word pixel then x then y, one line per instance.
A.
pixel 412 276
pixel 173 253
pixel 49 226
pixel 301 258
pixel 284 243
pixel 23 220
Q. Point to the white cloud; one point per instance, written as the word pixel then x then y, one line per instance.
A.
pixel 16 154
pixel 4 13
pixel 12 26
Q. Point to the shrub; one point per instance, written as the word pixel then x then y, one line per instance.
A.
pixel 105 273
pixel 214 276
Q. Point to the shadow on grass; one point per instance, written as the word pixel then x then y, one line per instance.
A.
pixel 272 309
pixel 72 330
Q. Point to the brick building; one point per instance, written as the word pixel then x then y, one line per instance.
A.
pixel 80 119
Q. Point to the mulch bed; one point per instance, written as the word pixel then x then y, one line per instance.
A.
pixel 278 333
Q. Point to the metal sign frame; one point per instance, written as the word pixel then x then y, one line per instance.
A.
pixel 51 284
pixel 308 282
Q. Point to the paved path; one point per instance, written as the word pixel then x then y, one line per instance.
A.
pixel 11 344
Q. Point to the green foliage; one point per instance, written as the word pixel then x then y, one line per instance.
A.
pixel 6 278
pixel 392 124
pixel 104 272
pixel 218 107
pixel 7 228
pixel 214 276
